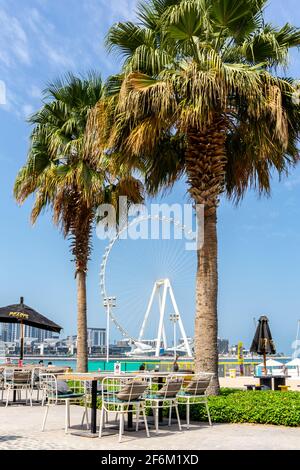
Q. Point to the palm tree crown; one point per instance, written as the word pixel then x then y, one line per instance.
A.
pixel 63 176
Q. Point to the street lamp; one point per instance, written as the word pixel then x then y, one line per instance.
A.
pixel 174 317
pixel 109 302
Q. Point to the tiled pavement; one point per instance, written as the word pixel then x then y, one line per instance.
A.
pixel 20 428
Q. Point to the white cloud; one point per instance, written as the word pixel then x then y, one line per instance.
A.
pixel 13 41
pixel 57 55
pixel 35 92
pixel 37 45
pixel 27 110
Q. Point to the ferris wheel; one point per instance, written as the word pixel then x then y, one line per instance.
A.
pixel 161 290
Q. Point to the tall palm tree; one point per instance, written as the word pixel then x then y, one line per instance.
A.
pixel 198 94
pixel 63 175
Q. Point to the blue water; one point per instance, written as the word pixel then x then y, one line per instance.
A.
pixel 126 366
pixel 134 365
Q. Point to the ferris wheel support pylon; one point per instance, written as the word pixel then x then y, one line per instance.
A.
pixel 162 288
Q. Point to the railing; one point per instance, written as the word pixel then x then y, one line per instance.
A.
pixel 225 368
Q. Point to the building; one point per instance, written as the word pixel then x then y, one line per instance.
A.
pixel 96 337
pixel 223 346
pixel 11 332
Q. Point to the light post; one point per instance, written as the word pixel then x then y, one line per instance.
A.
pixel 109 302
pixel 174 317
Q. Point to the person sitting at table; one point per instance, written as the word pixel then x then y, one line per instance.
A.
pixel 142 366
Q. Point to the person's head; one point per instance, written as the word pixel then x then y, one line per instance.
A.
pixel 41 361
pixel 50 364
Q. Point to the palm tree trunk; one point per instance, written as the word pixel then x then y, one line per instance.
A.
pixel 206 319
pixel 205 166
pixel 82 353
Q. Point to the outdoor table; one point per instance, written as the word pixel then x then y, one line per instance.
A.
pixel 94 377
pixel 272 381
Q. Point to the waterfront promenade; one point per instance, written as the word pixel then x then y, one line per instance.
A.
pixel 240 382
pixel 20 429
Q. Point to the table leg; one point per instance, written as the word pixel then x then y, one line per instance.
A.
pixel 94 407
pixel 130 417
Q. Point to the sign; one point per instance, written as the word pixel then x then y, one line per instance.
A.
pixel 19 315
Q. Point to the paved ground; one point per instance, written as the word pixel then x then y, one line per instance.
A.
pixel 240 382
pixel 20 428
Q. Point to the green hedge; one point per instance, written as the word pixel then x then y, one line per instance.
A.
pixel 235 406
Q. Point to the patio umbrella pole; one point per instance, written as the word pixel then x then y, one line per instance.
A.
pixel 22 342
pixel 265 364
pixel 22 331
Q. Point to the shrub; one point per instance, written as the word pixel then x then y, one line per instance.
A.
pixel 264 407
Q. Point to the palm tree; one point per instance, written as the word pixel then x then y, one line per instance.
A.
pixel 198 94
pixel 62 175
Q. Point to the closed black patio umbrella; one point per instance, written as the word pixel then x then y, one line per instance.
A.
pixel 263 343
pixel 24 315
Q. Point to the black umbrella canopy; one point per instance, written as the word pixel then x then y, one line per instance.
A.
pixel 21 313
pixel 263 343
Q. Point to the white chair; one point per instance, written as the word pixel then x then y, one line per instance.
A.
pixel 36 383
pixel 166 397
pixel 53 398
pixel 17 381
pixel 2 383
pixel 194 393
pixel 123 398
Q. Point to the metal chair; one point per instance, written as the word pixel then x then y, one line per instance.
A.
pixel 53 398
pixel 18 380
pixel 166 397
pixel 123 398
pixel 2 383
pixel 196 392
pixel 36 381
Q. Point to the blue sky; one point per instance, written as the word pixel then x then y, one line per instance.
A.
pixel 259 256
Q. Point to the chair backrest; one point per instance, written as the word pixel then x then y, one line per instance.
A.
pixel 8 373
pixel 171 387
pixel 116 390
pixel 35 378
pixel 22 377
pixel 48 383
pixel 199 384
pixel 132 391
pixel 17 376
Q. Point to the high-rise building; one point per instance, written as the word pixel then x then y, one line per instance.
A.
pixel 223 346
pixel 96 337
pixel 11 332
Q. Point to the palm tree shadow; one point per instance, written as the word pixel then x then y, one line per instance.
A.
pixel 9 438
